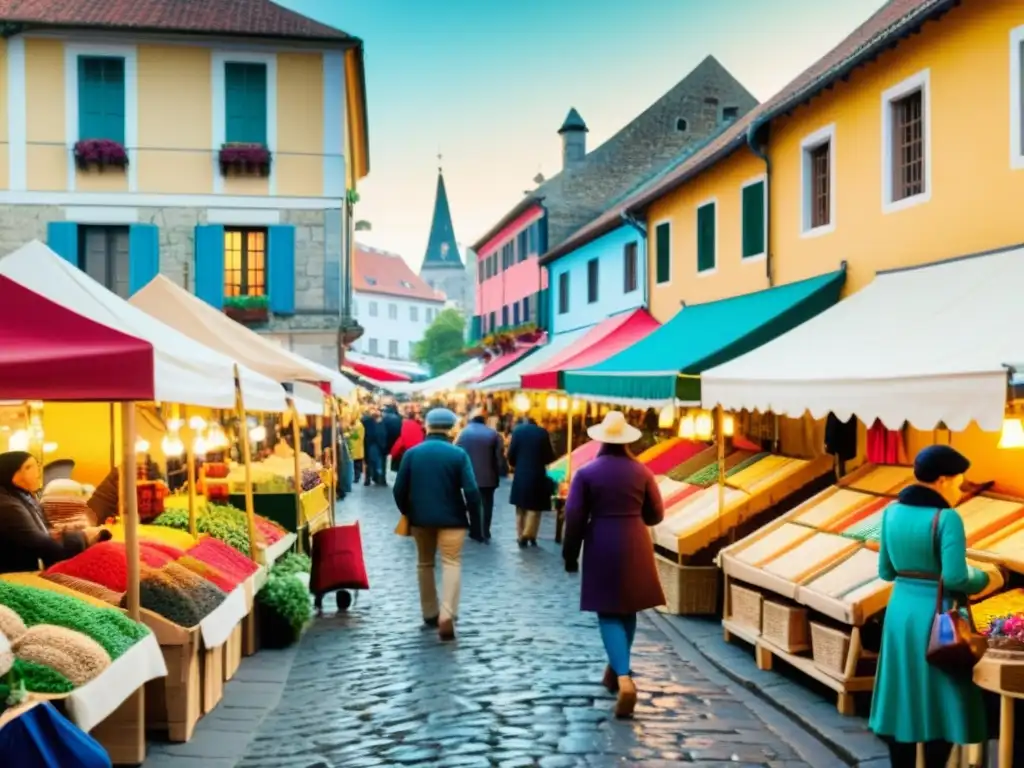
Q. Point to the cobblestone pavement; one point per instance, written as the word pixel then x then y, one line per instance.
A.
pixel 520 687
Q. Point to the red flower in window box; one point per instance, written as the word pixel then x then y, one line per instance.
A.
pixel 248 310
pixel 100 154
pixel 244 160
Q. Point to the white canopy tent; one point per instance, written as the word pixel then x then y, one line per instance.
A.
pixel 467 371
pixel 511 378
pixel 183 371
pixel 176 307
pixel 925 345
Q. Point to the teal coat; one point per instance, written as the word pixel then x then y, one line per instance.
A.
pixel 914 701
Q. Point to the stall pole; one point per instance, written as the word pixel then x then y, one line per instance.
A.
pixel 243 436
pixel 720 439
pixel 568 442
pixel 190 464
pixel 130 507
pixel 298 472
pixel 332 492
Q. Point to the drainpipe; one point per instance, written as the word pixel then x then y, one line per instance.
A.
pixel 761 150
pixel 635 223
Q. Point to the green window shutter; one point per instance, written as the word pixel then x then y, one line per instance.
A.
pixel 245 108
pixel 706 237
pixel 753 220
pixel 662 247
pixel 101 110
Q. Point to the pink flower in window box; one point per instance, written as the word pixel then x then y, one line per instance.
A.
pixel 100 153
pixel 246 159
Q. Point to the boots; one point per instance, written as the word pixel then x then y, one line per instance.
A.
pixel 610 680
pixel 626 701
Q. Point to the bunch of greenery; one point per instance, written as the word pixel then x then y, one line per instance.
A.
pixel 286 599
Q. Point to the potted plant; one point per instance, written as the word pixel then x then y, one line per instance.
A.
pixel 244 159
pixel 100 154
pixel 247 309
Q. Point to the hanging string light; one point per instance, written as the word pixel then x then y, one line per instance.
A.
pixel 667 417
pixel 703 426
pixel 687 427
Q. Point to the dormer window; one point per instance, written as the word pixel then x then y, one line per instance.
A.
pixel 371 281
pixel 730 113
pixel 406 284
pixel 682 125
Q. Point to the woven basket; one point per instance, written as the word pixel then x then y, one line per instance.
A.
pixel 829 647
pixel 785 626
pixel 689 590
pixel 746 606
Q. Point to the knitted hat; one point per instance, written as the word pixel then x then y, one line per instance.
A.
pixel 937 461
pixel 76 656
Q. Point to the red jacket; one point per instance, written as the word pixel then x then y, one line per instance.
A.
pixel 412 434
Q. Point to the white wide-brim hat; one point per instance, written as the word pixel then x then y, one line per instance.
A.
pixel 614 430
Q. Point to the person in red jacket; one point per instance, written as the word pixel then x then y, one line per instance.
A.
pixel 412 434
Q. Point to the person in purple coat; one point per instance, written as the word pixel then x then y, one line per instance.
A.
pixel 611 502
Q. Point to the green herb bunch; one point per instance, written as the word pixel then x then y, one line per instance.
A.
pixel 286 595
pixel 221 521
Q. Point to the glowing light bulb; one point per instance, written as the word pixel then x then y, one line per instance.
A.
pixel 198 423
pixel 703 426
pixel 173 425
pixel 1013 434
pixel 172 446
pixel 49 447
pixel 258 434
pixel 687 427
pixel 199 447
pixel 728 425
pixel 521 402
pixel 551 403
pixel 667 417
pixel 18 441
pixel 563 404
pixel 141 445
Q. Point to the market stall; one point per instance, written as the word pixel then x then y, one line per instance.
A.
pixel 509 378
pixel 453 379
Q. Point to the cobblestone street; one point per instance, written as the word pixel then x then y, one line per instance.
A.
pixel 520 687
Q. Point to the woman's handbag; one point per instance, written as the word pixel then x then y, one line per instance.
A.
pixel 403 528
pixel 954 644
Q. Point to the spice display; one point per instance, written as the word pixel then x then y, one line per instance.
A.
pixel 104 563
pixel 223 522
pixel 39 581
pixel 75 656
pixel 37 679
pixel 213 575
pixel 225 559
pixel 868 529
pixel 107 626
pixel 11 625
pixel 86 587
pixel 177 594
pixel 709 474
pixel 158 535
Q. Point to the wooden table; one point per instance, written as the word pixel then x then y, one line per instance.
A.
pixel 1003 675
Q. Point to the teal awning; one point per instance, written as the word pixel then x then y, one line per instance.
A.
pixel 665 364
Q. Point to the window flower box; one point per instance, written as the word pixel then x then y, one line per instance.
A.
pixel 244 160
pixel 100 154
pixel 248 310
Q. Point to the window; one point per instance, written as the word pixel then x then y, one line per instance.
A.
pixel 494 322
pixel 563 293
pixel 532 243
pixel 663 252
pixel 407 284
pixel 506 256
pixel 504 317
pixel 523 244
pixel 515 313
pixel 526 309
pixel 101 98
pixel 245 262
pixel 245 108
pixel 373 346
pixel 818 181
pixel 906 171
pixel 373 309
pixel 431 314
pixel 392 311
pixel 681 125
pixel 752 199
pixel 371 280
pixel 592 279
pixel 1017 98
pixel 481 272
pixel 706 238
pixel 412 350
pixel 393 349
pixel 631 279
pixel 414 314
pixel 103 256
pixel 729 114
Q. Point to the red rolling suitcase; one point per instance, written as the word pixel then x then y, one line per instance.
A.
pixel 338 564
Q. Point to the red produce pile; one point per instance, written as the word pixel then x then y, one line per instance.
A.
pixel 158 555
pixel 268 531
pixel 226 559
pixel 104 564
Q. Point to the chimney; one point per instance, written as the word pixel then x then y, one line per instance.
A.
pixel 574 140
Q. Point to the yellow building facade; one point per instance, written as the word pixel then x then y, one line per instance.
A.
pixel 239 153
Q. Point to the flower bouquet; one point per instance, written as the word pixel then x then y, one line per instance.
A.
pixel 244 160
pixel 1006 636
pixel 100 154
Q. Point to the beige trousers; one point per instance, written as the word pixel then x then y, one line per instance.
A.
pixel 527 523
pixel 428 542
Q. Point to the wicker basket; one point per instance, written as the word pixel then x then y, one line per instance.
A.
pixel 689 590
pixel 785 626
pixel 829 647
pixel 746 606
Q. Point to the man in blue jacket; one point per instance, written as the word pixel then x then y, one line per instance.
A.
pixel 437 491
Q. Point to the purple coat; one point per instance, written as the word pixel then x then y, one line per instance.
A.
pixel 611 502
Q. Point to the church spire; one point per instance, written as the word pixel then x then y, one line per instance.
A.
pixel 442 250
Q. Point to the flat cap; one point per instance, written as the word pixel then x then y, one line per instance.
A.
pixel 441 418
pixel 937 461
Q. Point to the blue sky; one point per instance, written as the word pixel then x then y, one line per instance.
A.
pixel 488 82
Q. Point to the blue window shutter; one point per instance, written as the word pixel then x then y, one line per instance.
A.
pixel 245 93
pixel 62 238
pixel 101 98
pixel 281 269
pixel 143 255
pixel 209 265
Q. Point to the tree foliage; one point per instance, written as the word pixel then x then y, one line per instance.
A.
pixel 441 348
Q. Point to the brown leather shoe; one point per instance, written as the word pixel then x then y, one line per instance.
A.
pixel 610 680
pixel 626 702
pixel 446 629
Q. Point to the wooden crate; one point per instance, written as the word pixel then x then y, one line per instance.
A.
pixel 211 663
pixel 123 733
pixel 173 702
pixel 689 590
pixel 233 652
pixel 786 626
pixel 830 648
pixel 745 607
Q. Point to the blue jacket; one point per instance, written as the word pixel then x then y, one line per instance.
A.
pixel 486 451
pixel 436 487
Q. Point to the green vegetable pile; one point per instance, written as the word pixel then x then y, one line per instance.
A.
pixel 107 626
pixel 292 563
pixel 221 521
pixel 37 679
pixel 709 475
pixel 286 596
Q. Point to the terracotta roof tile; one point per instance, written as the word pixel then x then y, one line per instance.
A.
pixel 388 274
pixel 881 30
pixel 256 18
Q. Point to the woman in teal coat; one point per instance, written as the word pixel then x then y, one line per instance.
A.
pixel 913 700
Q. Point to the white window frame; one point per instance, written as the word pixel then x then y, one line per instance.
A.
pixel 373 309
pixel 372 346
pixel 1016 98
pixel 808 144
pixel 920 81
pixel 762 179
pixel 654 236
pixel 392 311
pixel 218 60
pixel 696 237
pixel 72 52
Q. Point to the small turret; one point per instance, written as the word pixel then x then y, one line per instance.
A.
pixel 574 139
